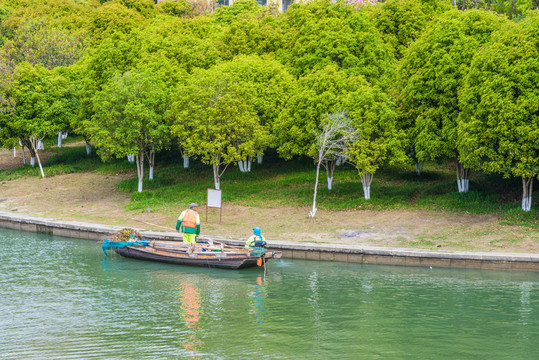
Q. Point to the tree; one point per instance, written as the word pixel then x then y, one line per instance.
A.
pixel 129 118
pixel 377 139
pixel 431 75
pixel 332 142
pixel 42 102
pixel 214 119
pixel 319 93
pixel 269 85
pixel 499 126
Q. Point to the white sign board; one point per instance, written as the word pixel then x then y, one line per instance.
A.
pixel 214 198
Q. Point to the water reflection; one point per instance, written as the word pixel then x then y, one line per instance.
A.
pixel 258 297
pixel 190 303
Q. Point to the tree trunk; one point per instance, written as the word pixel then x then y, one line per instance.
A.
pixel 240 166
pixel 14 152
pixel 313 210
pixel 185 161
pixel 30 147
pixel 131 158
pixel 216 177
pixel 140 169
pixel 330 171
pixel 462 178
pixel 366 180
pixel 151 160
pixel 259 159
pixel 60 137
pixel 249 161
pixel 23 155
pixel 40 145
pixel 35 145
pixel 419 167
pixel 527 187
pixel 463 5
pixel 88 149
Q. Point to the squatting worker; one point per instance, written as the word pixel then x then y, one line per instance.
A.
pixel 257 236
pixel 189 221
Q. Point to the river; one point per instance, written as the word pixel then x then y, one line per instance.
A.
pixel 62 299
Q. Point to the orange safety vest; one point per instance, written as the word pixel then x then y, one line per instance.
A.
pixel 190 219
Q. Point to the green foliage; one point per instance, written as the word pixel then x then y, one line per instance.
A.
pixel 43 103
pixel 129 115
pixel 113 17
pixel 175 8
pixel 38 43
pixel 215 119
pixel 377 138
pixel 269 83
pixel 145 7
pixel 401 21
pixel 256 33
pixel 500 124
pixel 239 9
pixel 320 92
pixel 190 43
pixel 431 75
pixel 321 33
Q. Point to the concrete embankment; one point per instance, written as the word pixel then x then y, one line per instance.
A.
pixel 308 251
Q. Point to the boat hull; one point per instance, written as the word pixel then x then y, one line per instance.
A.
pixel 210 259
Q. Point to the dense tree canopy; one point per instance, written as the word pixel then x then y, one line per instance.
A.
pixel 246 77
pixel 432 73
pixel 499 127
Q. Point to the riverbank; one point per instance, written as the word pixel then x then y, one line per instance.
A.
pixel 95 197
pixel 307 251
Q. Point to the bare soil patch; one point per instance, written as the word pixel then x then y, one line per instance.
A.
pixel 91 197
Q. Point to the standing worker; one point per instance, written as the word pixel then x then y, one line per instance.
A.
pixel 189 220
pixel 253 239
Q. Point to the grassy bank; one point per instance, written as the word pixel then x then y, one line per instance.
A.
pixel 277 182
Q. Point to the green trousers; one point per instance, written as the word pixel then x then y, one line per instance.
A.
pixel 190 238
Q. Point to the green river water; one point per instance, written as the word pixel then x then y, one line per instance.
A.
pixel 61 298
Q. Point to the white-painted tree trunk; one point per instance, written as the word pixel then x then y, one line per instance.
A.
pixel 245 165
pixel 60 137
pixel 366 180
pixel 88 149
pixel 527 189
pixel 35 146
pixel 259 159
pixel 185 161
pixel 14 152
pixel 140 169
pixel 330 165
pixel 40 145
pixel 152 163
pixel 32 160
pixel 419 167
pixel 216 176
pixel 312 213
pixel 64 134
pixel 23 155
pixel 131 158
pixel 462 178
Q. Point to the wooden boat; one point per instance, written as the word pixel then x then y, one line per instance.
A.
pixel 215 255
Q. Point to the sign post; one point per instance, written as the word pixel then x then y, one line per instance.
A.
pixel 214 201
